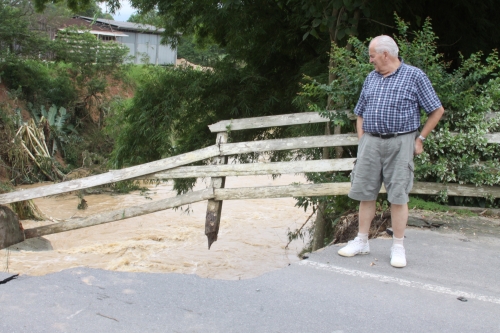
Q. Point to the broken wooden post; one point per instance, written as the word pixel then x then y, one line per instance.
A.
pixel 214 207
pixel 11 230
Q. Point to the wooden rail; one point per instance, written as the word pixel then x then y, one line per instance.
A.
pixel 220 194
pixel 120 214
pixel 202 154
pixel 290 119
pixel 273 121
pixel 174 167
pixel 311 190
pixel 111 176
pixel 252 169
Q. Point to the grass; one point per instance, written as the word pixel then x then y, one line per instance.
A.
pixel 137 73
pixel 417 203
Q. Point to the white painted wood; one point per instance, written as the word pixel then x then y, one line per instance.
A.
pixel 282 191
pixel 111 176
pixel 290 143
pixel 492 115
pixel 250 169
pixel 456 189
pixel 171 162
pixel 287 120
pixel 343 189
pixel 121 214
pixel 493 137
pixel 273 121
pixel 319 141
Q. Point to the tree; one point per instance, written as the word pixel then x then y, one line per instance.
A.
pixel 92 9
pixel 17 38
pixel 284 37
pixel 92 61
pixel 269 45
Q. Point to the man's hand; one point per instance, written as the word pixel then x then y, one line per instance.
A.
pixel 419 146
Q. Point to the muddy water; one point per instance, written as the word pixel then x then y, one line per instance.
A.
pixel 252 236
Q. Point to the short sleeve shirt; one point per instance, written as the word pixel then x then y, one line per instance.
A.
pixel 392 104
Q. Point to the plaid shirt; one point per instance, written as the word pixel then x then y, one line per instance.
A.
pixel 392 104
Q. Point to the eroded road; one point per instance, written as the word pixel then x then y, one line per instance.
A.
pixel 449 285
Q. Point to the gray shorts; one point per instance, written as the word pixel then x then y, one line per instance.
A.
pixel 383 160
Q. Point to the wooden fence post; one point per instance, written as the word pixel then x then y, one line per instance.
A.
pixel 214 207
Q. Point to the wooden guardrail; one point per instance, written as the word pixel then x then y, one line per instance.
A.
pixel 173 167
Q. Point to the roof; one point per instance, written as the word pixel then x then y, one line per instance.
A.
pixel 118 25
pixel 93 29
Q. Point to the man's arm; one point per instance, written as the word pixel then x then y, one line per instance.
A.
pixel 359 127
pixel 431 122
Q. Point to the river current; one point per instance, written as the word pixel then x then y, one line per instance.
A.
pixel 251 241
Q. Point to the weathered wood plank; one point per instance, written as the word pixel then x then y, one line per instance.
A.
pixel 214 207
pixel 251 169
pixel 121 214
pixel 290 143
pixel 111 176
pixel 492 115
pixel 456 190
pixel 493 137
pixel 273 121
pixel 289 119
pixel 282 191
pixel 305 142
pixel 343 189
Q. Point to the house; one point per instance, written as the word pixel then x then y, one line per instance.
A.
pixel 143 40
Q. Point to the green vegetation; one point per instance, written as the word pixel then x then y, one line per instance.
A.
pixel 60 84
pixel 199 52
pixel 467 93
pixel 259 75
pixel 265 58
pixel 418 203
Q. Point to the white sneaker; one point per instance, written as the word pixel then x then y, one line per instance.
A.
pixel 398 257
pixel 356 246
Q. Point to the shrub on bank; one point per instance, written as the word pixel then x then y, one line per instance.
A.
pixel 456 152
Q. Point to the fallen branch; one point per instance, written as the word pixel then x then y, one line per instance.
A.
pixel 298 230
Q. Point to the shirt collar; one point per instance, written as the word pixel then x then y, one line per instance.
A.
pixel 397 70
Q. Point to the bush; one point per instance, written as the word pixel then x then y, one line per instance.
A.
pixel 457 150
pixel 41 83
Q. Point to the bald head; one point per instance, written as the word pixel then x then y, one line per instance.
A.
pixel 383 44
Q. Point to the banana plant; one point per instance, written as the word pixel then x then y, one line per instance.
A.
pixel 55 128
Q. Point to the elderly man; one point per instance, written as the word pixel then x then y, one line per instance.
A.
pixel 388 113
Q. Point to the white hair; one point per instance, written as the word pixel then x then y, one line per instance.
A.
pixel 385 43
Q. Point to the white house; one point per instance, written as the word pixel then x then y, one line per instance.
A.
pixel 143 40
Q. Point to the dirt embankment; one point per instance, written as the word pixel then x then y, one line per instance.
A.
pixel 10 104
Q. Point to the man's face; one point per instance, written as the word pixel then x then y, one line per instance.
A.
pixel 378 60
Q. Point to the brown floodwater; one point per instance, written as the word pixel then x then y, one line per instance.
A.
pixel 251 242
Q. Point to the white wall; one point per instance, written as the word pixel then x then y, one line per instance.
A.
pixel 140 44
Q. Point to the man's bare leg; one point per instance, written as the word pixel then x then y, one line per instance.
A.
pixel 399 217
pixel 366 215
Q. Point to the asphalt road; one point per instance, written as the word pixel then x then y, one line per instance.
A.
pixel 324 293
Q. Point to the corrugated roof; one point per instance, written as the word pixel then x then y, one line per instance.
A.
pixel 125 25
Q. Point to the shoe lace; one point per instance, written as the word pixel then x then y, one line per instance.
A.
pixel 398 251
pixel 356 242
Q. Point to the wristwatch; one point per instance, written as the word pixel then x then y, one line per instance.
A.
pixel 421 138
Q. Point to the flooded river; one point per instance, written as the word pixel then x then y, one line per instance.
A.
pixel 252 236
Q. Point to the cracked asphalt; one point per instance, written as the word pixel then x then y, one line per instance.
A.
pixel 449 285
